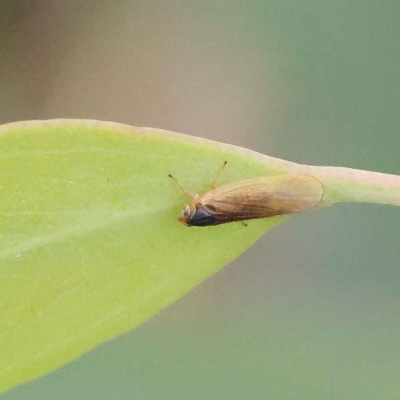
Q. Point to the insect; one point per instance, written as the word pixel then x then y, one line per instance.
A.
pixel 253 198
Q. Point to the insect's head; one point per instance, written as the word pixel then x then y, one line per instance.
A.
pixel 186 215
pixel 196 214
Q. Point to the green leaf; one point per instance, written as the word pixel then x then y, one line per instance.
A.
pixel 90 243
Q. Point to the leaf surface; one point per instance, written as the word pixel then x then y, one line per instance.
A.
pixel 90 243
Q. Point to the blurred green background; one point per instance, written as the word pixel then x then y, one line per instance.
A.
pixel 312 310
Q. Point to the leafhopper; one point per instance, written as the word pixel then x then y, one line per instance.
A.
pixel 253 198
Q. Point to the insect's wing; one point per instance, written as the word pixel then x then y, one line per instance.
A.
pixel 263 197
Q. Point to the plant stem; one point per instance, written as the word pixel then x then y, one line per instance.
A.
pixel 344 185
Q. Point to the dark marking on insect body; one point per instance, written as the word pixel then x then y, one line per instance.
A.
pixel 202 217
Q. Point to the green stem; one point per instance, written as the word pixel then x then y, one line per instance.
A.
pixel 343 185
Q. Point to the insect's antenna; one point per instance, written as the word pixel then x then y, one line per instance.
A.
pixel 219 174
pixel 190 194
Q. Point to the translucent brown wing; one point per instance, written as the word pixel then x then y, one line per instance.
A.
pixel 263 197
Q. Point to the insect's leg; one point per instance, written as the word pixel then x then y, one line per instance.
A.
pixel 213 185
pixel 190 194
